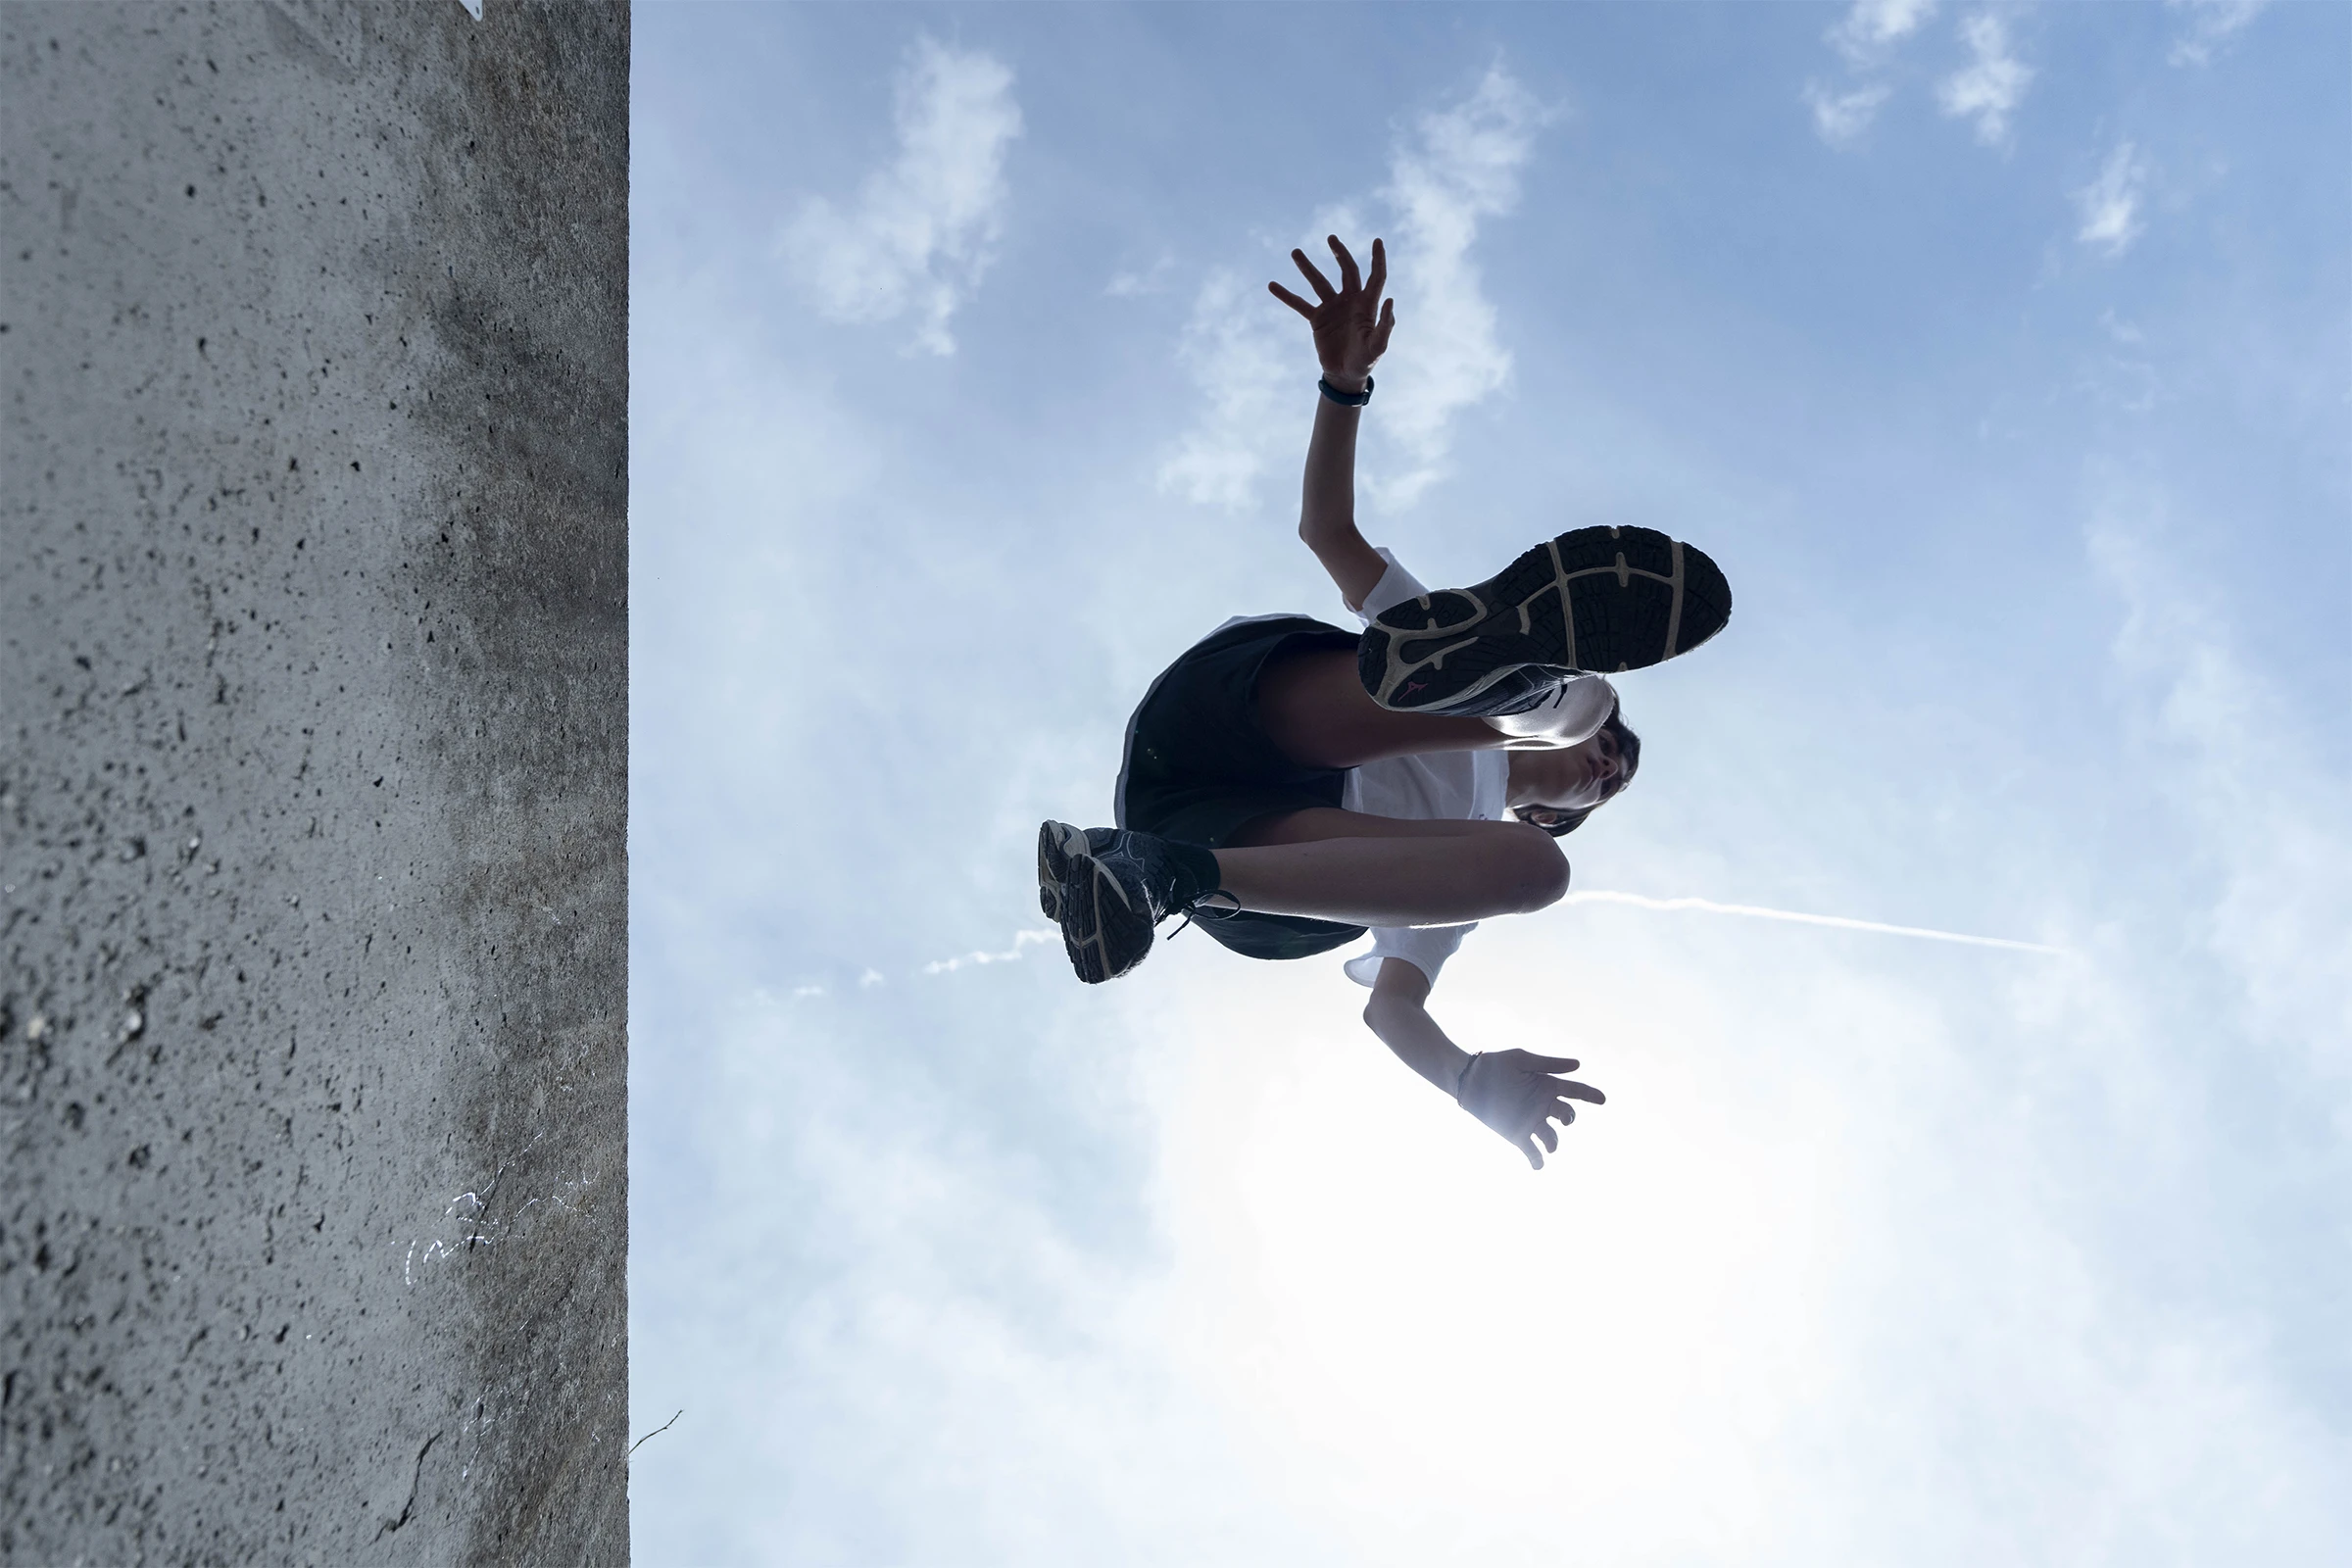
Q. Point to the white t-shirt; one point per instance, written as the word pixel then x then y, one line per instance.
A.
pixel 1429 787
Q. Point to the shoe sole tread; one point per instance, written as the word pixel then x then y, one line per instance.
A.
pixel 1598 599
pixel 1101 931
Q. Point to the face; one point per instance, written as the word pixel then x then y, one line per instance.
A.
pixel 1546 783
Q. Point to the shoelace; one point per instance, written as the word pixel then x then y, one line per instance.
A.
pixel 1197 904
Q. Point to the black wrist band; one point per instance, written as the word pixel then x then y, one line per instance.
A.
pixel 1351 400
pixel 1463 1077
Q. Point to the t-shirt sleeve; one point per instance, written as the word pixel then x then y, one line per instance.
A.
pixel 1425 946
pixel 1394 587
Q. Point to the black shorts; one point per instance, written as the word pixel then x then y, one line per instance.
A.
pixel 1197 769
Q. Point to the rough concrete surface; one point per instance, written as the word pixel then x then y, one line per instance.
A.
pixel 312 778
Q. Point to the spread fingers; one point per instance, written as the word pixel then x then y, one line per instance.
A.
pixel 1322 284
pixel 1350 279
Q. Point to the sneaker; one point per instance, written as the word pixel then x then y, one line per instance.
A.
pixel 1593 599
pixel 1056 843
pixel 1108 888
pixel 1568 713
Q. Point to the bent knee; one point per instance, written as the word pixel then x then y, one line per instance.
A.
pixel 1538 870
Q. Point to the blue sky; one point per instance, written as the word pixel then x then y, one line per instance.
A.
pixel 1998 354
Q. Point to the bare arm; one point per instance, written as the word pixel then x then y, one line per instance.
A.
pixel 1398 1014
pixel 1352 325
pixel 1327 504
pixel 1516 1093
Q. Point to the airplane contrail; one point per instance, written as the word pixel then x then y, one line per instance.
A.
pixel 1020 940
pixel 1840 922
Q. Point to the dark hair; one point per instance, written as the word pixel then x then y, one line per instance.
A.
pixel 1629 752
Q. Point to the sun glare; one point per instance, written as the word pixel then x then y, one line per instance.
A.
pixel 1382 1289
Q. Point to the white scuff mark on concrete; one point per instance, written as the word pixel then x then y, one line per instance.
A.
pixel 434 1247
pixel 466 1222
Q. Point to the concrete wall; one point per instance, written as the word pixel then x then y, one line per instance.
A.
pixel 313 776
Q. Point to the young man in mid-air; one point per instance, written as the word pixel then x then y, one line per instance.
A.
pixel 1288 785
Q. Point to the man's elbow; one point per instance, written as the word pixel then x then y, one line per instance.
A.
pixel 1324 525
pixel 1388 1011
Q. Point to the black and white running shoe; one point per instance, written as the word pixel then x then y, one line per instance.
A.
pixel 1056 842
pixel 1597 599
pixel 1108 888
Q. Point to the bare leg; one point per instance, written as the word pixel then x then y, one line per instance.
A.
pixel 1331 865
pixel 1315 707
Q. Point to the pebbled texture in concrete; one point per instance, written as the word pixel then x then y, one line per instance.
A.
pixel 312 778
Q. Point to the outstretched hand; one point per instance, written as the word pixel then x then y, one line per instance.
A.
pixel 1353 322
pixel 1517 1094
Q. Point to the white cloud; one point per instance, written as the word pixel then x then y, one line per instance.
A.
pixel 923 1328
pixel 1867 36
pixel 1463 168
pixel 1132 284
pixel 1992 86
pixel 917 238
pixel 2110 203
pixel 1842 117
pixel 1250 356
pixel 1247 368
pixel 2239 766
pixel 1865 33
pixel 2211 24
